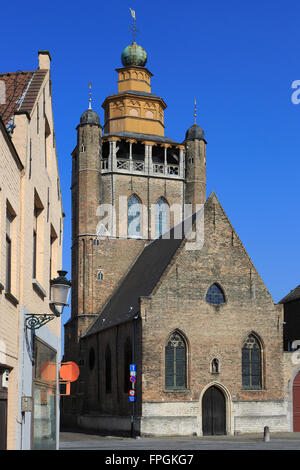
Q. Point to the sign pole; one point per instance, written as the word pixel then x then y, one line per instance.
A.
pixel 133 370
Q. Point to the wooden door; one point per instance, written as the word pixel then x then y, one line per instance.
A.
pixel 296 403
pixel 213 412
pixel 3 423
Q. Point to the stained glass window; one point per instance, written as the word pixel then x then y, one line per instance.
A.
pixel 161 217
pixel 215 295
pixel 251 364
pixel 175 362
pixel 134 217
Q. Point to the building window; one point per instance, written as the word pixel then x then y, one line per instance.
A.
pixel 44 398
pixel 108 369
pixel 215 295
pixel 37 118
pixel 127 362
pixel 47 143
pixel 53 253
pixel 161 217
pixel 9 222
pixel 175 362
pixel 99 275
pixel 35 230
pixel 251 364
pixel 134 217
pixel 37 239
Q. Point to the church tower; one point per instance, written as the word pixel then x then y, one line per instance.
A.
pixel 130 184
pixel 195 161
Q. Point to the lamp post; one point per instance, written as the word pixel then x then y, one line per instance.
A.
pixel 59 294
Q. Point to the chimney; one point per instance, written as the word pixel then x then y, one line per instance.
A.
pixel 44 60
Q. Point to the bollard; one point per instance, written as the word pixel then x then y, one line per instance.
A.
pixel 266 434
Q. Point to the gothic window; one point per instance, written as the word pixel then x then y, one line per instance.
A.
pixel 251 364
pixel 134 217
pixel 215 295
pixel 127 362
pixel 99 275
pixel 108 369
pixel 161 217
pixel 175 362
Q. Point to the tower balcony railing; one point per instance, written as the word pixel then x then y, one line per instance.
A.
pixel 118 160
pixel 123 164
pixel 158 169
pixel 163 169
pixel 173 169
pixel 130 165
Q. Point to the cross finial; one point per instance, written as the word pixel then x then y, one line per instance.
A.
pixel 195 112
pixel 90 95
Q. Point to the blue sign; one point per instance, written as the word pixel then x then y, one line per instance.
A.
pixel 132 367
pixel 131 398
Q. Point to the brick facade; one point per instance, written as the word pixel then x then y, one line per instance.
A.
pixel 105 307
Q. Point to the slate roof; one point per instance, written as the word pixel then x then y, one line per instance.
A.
pixel 135 93
pixel 138 136
pixel 293 295
pixel 140 281
pixel 21 90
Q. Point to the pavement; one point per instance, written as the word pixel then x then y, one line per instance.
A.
pixel 84 441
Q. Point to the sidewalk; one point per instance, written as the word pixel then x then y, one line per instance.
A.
pixel 278 441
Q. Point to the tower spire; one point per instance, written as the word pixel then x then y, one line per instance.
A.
pixel 90 95
pixel 195 112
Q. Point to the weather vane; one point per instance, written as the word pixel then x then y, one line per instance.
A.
pixel 90 95
pixel 195 112
pixel 133 27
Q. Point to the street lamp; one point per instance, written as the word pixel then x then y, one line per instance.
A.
pixel 59 294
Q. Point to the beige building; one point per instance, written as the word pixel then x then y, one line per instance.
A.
pixel 31 227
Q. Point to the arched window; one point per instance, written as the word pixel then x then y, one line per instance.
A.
pixel 107 369
pixel 161 217
pixel 251 364
pixel 127 362
pixel 215 295
pixel 134 217
pixel 175 362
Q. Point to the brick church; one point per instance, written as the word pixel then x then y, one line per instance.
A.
pixel 161 280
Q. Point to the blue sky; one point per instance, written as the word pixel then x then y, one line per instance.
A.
pixel 238 59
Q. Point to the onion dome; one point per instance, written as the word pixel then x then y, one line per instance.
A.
pixel 90 117
pixel 195 133
pixel 134 55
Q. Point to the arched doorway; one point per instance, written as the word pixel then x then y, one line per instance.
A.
pixel 213 412
pixel 296 403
